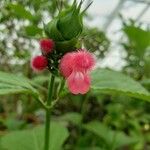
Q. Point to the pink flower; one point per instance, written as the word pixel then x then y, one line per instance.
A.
pixel 46 45
pixel 39 63
pixel 75 66
pixel 78 83
pixel 81 60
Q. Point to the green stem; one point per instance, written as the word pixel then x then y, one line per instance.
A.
pixel 48 113
pixel 83 112
pixel 62 84
pixel 83 106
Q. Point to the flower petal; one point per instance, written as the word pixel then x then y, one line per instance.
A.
pixel 78 82
pixel 66 64
pixel 83 60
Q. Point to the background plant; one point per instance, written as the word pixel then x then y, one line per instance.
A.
pixel 115 104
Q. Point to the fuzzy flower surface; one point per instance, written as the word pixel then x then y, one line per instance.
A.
pixel 46 45
pixel 75 67
pixel 39 63
pixel 83 61
pixel 66 64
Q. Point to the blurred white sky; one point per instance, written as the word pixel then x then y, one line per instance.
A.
pixel 102 10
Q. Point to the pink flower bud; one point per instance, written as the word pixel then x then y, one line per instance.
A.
pixel 83 60
pixel 39 63
pixel 46 45
pixel 78 83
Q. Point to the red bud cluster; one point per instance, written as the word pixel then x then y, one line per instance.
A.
pixel 39 63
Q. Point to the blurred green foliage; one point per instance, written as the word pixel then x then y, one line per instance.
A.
pixel 138 50
pixel 112 116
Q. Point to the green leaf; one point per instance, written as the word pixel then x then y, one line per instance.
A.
pixel 6 85
pixel 12 84
pixel 112 138
pixel 138 38
pixel 20 11
pixel 34 139
pixel 33 30
pixel 6 91
pixel 13 79
pixel 40 79
pixel 90 148
pixel 145 81
pixel 108 81
pixel 72 117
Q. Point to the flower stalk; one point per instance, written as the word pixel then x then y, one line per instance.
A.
pixel 48 113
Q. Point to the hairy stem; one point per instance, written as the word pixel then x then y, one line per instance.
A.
pixel 48 113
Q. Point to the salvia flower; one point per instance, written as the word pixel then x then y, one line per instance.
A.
pixel 75 67
pixel 46 45
pixel 39 63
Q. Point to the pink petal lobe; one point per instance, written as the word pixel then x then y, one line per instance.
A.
pixel 66 64
pixel 78 82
